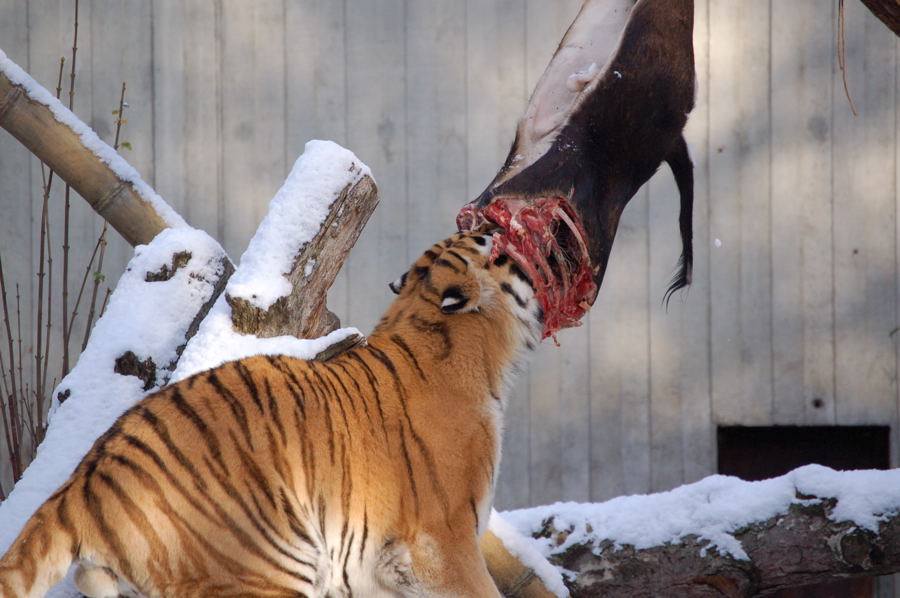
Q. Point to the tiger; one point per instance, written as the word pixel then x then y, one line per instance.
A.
pixel 369 474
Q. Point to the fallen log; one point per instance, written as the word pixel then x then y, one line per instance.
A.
pixel 725 537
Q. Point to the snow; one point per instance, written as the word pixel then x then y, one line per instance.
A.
pixel 524 549
pixel 89 138
pixel 713 509
pixel 216 342
pixel 98 394
pixel 296 214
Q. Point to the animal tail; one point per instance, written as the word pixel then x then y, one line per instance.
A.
pixel 679 160
pixel 38 558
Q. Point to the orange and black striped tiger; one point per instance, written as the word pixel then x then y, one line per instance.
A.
pixel 367 475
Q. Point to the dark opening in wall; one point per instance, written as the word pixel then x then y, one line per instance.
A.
pixel 758 453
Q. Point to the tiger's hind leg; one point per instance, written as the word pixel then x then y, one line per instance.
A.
pixel 96 581
pixel 426 568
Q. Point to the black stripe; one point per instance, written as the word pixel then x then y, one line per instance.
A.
pixel 464 261
pixel 376 396
pixel 212 443
pixel 163 433
pixel 335 395
pixel 333 375
pixel 432 327
pixel 365 536
pixel 365 403
pixel 247 378
pixel 519 273
pixel 242 535
pixel 234 404
pixel 275 413
pixel 251 467
pixel 325 403
pixel 444 263
pixel 139 519
pixel 411 476
pixel 292 382
pixel 107 534
pixel 474 511
pixel 507 288
pixel 398 340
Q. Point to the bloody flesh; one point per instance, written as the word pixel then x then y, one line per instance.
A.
pixel 546 239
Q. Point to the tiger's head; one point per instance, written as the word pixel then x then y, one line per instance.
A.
pixel 456 296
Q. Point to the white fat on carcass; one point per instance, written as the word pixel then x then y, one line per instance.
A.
pixel 580 62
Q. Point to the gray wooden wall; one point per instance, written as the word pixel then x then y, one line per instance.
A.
pixel 796 282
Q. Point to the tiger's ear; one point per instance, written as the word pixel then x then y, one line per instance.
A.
pixel 461 298
pixel 398 284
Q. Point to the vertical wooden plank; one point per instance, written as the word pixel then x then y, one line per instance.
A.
pixel 574 404
pixel 571 398
pixel 376 130
pixel 895 445
pixel 495 97
pixel 436 119
pixel 252 70
pixel 315 61
pixel 16 196
pixel 802 310
pixel 865 289
pixel 496 90
pixel 119 49
pixel 169 101
pixel 550 410
pixel 698 429
pixel 620 363
pixel 201 84
pixel 666 457
pixel 739 213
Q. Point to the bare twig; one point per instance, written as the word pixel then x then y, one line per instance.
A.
pixel 39 329
pixel 11 424
pixel 99 248
pixel 98 278
pixel 67 328
pixel 842 55
pixel 105 301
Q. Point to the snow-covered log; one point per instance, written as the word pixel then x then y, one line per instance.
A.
pixel 292 260
pixel 725 537
pixel 74 151
pixel 167 288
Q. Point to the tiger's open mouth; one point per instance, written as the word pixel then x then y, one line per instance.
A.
pixel 545 237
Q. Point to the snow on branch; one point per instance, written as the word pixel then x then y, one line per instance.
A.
pixel 167 288
pixel 74 151
pixel 724 537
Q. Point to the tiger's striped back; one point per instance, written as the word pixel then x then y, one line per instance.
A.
pixel 371 474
